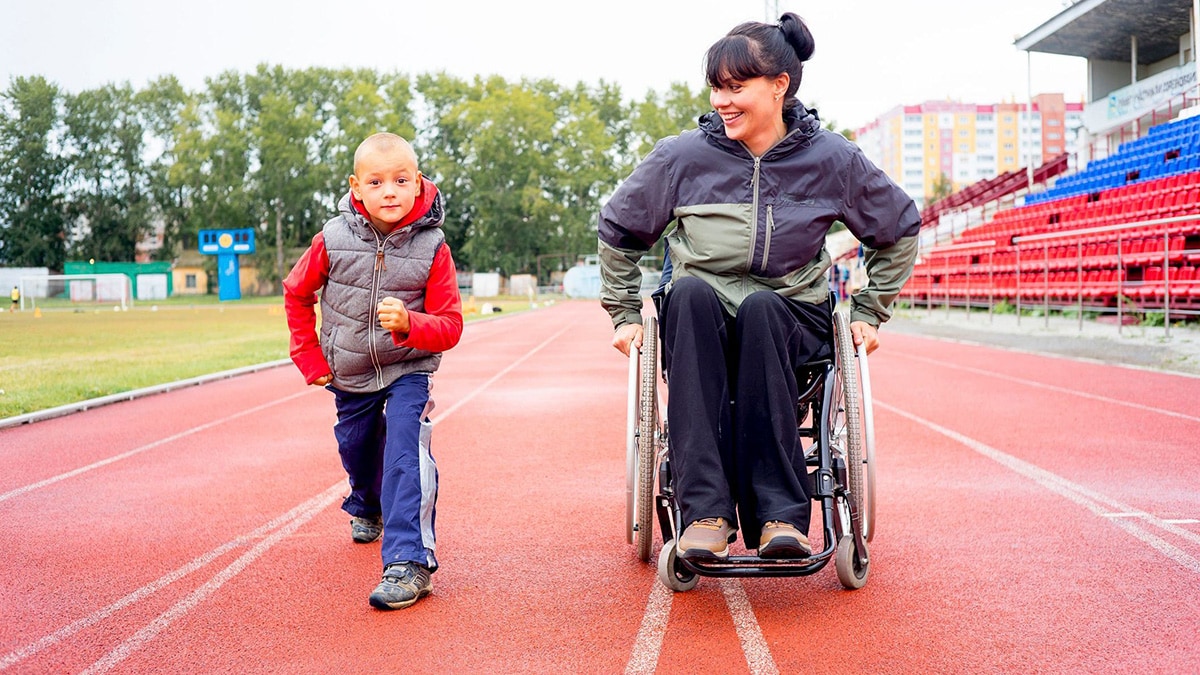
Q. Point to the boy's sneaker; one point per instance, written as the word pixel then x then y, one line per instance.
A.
pixel 366 530
pixel 706 538
pixel 403 584
pixel 780 540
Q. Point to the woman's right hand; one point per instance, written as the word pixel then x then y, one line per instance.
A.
pixel 627 337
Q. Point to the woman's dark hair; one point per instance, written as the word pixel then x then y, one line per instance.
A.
pixel 754 49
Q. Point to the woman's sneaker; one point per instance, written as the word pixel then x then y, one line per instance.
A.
pixel 366 530
pixel 782 540
pixel 706 538
pixel 403 584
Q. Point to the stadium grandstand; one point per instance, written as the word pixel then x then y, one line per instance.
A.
pixel 1120 231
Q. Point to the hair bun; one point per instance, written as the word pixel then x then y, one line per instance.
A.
pixel 797 35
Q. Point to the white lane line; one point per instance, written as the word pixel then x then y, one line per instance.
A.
pixel 758 654
pixel 648 644
pixel 1051 387
pixel 298 517
pixel 135 642
pixel 149 446
pixel 1097 503
pixel 162 582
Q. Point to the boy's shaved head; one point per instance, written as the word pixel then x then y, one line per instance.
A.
pixel 383 142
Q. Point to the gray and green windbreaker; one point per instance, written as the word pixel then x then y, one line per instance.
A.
pixel 745 223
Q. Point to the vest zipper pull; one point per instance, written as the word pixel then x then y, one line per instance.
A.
pixel 379 263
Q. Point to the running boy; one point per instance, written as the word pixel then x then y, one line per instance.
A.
pixel 389 307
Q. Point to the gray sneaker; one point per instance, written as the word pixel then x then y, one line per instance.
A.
pixel 403 584
pixel 366 530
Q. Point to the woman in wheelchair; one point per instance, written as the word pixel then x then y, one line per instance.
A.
pixel 751 195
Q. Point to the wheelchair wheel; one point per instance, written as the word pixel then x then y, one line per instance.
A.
pixel 647 439
pixel 671 573
pixel 846 414
pixel 851 571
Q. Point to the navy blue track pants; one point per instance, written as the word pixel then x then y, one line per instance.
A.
pixel 384 441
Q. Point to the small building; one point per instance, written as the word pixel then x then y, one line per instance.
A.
pixel 189 274
pixel 150 280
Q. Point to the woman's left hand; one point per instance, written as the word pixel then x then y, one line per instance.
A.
pixel 864 334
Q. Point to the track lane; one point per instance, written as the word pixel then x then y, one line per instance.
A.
pixel 1099 426
pixel 976 567
pixel 505 593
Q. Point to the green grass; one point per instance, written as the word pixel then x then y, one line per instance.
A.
pixel 69 355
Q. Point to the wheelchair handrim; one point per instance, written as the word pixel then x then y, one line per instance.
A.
pixel 631 425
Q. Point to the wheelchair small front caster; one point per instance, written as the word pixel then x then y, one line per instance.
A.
pixel 673 575
pixel 850 570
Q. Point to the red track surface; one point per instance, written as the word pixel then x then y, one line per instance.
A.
pixel 1035 514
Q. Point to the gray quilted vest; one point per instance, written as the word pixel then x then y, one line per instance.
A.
pixel 364 267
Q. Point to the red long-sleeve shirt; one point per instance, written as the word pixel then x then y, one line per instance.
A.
pixel 436 329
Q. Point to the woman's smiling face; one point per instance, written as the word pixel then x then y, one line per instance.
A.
pixel 751 109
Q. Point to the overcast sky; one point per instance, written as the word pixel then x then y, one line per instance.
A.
pixel 871 55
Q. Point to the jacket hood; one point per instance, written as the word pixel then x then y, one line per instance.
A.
pixel 802 124
pixel 427 211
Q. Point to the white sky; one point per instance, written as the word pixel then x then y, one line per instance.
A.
pixel 871 55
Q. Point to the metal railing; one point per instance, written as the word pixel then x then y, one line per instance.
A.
pixel 991 247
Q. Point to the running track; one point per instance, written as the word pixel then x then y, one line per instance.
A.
pixel 1036 515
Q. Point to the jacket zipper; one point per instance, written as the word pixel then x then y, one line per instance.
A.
pixel 767 242
pixel 754 210
pixel 770 216
pixel 380 266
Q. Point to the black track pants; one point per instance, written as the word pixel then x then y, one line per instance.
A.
pixel 746 455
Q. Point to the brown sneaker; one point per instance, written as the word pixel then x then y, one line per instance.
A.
pixel 782 540
pixel 706 538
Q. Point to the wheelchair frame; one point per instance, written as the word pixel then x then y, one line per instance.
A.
pixel 834 414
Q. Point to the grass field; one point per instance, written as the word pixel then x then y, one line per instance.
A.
pixel 62 356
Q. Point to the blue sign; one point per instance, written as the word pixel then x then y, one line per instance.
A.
pixel 227 245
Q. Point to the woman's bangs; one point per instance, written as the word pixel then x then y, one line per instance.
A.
pixel 731 59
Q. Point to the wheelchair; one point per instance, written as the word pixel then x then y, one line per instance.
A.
pixel 835 423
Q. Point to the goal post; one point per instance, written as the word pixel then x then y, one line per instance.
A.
pixel 51 291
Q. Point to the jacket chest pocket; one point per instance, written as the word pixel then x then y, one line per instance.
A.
pixel 797 235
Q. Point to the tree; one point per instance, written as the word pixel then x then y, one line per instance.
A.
pixel 523 165
pixel 162 104
pixel 679 110
pixel 212 167
pixel 32 223
pixel 107 206
pixel 942 188
pixel 284 135
pixel 365 103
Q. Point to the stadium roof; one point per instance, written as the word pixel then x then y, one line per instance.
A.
pixel 1100 29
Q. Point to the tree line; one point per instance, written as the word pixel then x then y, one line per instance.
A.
pixel 524 166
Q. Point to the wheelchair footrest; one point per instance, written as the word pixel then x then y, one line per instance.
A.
pixel 754 566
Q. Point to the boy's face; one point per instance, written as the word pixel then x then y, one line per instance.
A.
pixel 387 182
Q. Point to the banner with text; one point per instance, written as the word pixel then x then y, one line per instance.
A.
pixel 1129 103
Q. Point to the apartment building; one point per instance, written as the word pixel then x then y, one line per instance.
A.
pixel 967 142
